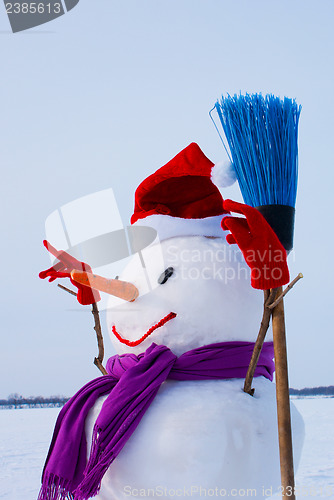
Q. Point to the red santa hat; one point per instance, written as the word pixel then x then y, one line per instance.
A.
pixel 182 197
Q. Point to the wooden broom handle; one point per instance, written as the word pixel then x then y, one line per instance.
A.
pixel 283 401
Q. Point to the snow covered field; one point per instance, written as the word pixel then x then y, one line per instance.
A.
pixel 25 436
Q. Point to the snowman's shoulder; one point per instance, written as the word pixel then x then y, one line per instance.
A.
pixel 213 399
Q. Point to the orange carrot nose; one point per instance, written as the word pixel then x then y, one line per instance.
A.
pixel 118 288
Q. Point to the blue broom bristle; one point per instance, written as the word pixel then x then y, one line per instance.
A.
pixel 262 136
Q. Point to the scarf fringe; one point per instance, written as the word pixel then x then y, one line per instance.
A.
pixel 91 484
pixel 98 464
pixel 55 488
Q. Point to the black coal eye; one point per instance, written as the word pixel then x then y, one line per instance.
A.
pixel 165 275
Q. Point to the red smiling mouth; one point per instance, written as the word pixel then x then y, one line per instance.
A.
pixel 134 343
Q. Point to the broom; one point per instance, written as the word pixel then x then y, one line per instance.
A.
pixel 262 136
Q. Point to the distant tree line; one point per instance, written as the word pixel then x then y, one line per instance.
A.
pixel 15 401
pixel 313 391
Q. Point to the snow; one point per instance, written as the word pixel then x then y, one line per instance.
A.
pixel 25 436
pixel 315 478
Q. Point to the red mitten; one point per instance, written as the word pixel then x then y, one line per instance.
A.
pixel 259 245
pixel 63 269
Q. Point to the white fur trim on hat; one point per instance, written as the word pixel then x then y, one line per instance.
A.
pixel 223 174
pixel 170 227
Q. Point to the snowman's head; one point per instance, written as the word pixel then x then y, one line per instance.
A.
pixel 193 291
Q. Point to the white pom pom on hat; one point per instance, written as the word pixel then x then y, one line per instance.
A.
pixel 223 174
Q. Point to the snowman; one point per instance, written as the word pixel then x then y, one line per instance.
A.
pixel 171 418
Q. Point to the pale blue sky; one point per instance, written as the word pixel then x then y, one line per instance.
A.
pixel 106 94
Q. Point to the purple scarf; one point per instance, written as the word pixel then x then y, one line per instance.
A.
pixel 132 384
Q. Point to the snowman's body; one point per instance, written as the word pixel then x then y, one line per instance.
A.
pixel 198 438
